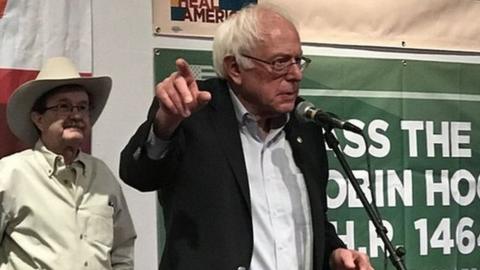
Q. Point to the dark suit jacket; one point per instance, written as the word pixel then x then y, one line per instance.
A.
pixel 203 186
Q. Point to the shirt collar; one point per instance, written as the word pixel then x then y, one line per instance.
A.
pixel 56 162
pixel 242 114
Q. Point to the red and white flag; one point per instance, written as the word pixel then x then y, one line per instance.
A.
pixel 31 32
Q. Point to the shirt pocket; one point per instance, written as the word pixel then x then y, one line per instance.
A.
pixel 100 225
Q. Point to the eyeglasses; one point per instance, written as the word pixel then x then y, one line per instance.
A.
pixel 67 108
pixel 282 65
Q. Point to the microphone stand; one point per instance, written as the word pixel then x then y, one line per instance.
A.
pixel 395 255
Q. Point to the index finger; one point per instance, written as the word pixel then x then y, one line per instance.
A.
pixel 184 70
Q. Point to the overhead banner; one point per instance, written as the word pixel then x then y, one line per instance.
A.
pixel 31 32
pixel 420 24
pixel 421 122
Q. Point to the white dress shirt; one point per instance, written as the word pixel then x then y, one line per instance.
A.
pixel 282 226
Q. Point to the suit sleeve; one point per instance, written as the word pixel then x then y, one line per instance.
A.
pixel 137 169
pixel 332 242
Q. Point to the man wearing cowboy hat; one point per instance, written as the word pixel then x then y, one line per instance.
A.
pixel 60 208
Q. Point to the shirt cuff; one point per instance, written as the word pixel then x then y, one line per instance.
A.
pixel 156 148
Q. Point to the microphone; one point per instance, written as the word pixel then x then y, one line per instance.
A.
pixel 307 111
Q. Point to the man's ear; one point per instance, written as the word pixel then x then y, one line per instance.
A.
pixel 232 69
pixel 37 119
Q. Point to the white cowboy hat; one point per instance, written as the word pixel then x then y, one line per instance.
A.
pixel 55 72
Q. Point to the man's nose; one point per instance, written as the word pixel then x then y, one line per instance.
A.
pixel 294 72
pixel 76 112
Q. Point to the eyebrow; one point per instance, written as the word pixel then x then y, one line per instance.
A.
pixel 68 100
pixel 280 55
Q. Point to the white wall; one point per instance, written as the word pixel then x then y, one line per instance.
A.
pixel 123 48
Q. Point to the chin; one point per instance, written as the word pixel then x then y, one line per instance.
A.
pixel 77 137
pixel 74 140
pixel 287 100
pixel 286 107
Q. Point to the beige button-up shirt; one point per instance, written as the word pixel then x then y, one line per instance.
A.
pixel 54 216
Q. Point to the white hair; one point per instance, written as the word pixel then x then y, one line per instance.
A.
pixel 240 34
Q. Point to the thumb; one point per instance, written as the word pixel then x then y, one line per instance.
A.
pixel 342 258
pixel 203 97
pixel 349 261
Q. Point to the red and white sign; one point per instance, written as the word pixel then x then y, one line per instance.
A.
pixel 31 32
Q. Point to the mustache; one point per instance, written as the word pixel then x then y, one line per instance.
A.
pixel 74 124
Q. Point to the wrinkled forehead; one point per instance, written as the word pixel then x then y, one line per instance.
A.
pixel 272 26
pixel 268 20
pixel 277 36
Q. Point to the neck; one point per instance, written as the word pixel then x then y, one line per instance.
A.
pixel 268 123
pixel 264 127
pixel 265 120
pixel 69 152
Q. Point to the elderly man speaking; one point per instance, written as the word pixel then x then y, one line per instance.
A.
pixel 60 208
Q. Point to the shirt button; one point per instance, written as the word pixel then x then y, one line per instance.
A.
pixel 85 264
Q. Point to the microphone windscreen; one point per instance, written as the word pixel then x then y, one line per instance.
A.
pixel 301 110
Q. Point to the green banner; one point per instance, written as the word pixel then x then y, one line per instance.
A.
pixel 420 121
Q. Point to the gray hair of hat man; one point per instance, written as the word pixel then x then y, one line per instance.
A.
pixel 240 34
